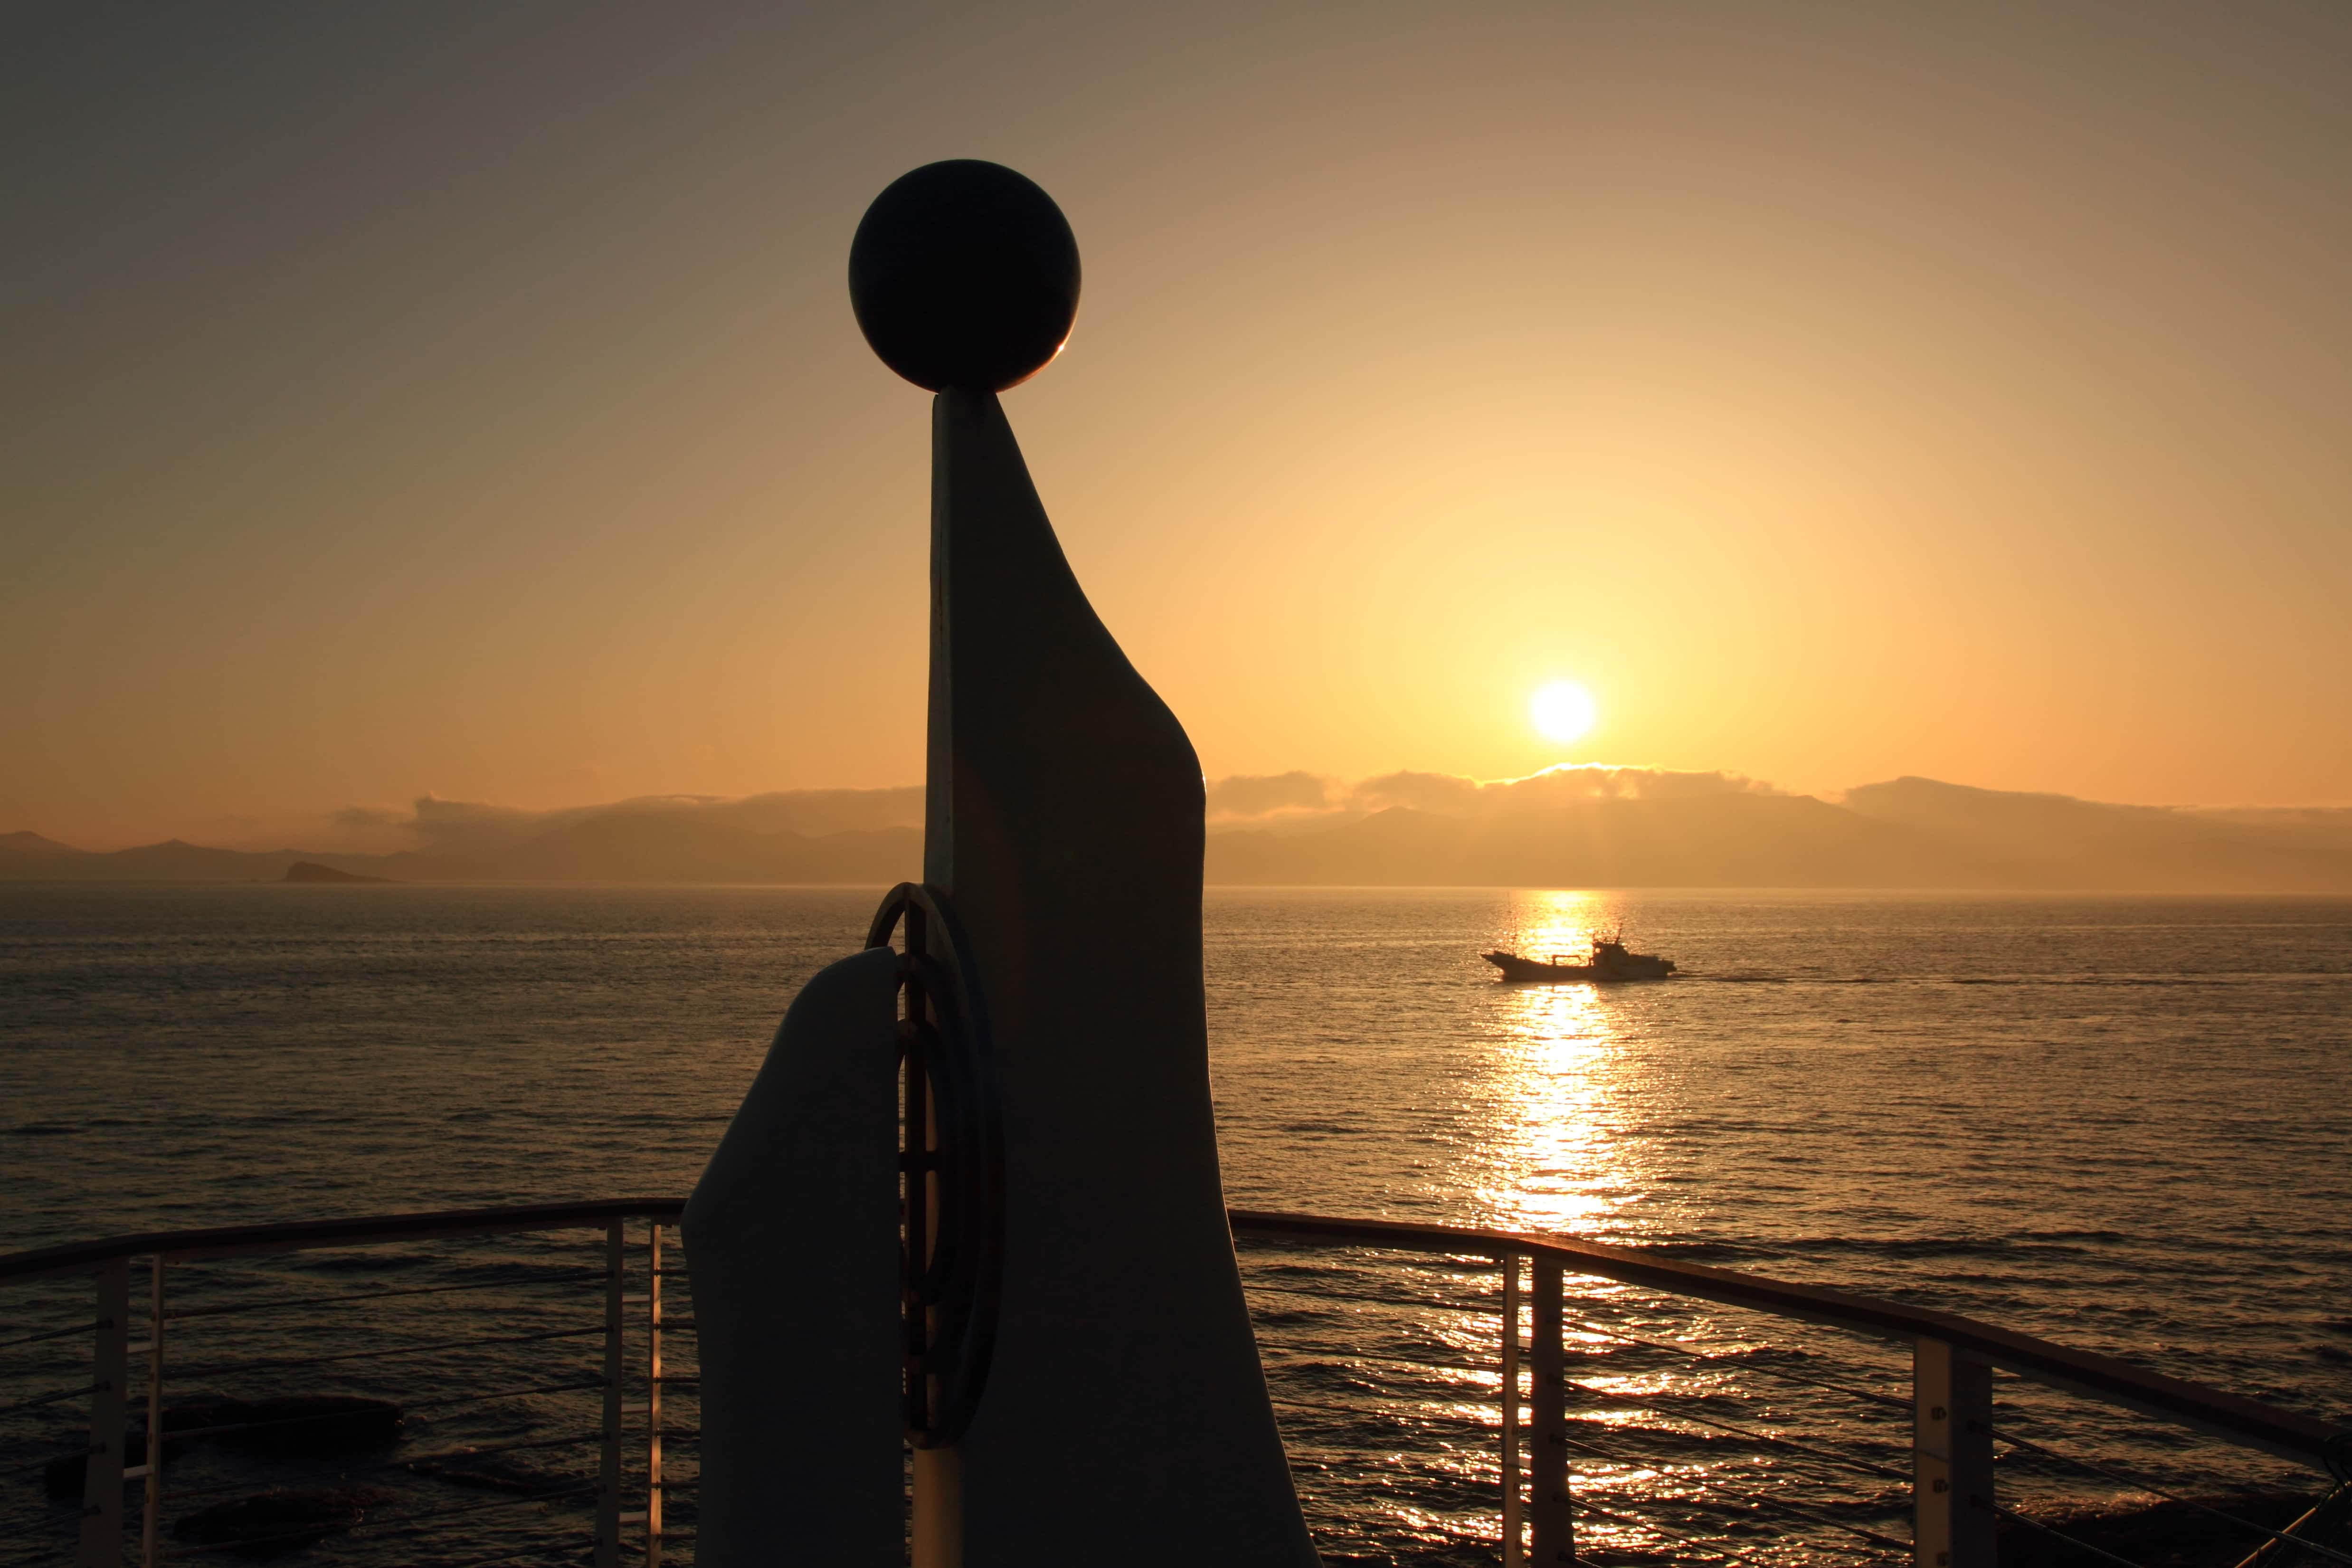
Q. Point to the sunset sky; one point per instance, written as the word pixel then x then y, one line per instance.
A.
pixel 465 399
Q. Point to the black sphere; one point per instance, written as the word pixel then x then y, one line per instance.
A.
pixel 964 274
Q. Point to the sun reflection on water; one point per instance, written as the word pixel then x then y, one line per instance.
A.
pixel 1555 1164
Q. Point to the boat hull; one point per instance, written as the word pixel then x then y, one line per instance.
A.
pixel 1528 972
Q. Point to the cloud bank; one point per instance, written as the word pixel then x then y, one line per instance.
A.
pixel 1302 802
pixel 432 823
pixel 1282 802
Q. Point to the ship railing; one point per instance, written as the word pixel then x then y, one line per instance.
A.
pixel 1448 1394
pixel 1660 1410
pixel 526 1377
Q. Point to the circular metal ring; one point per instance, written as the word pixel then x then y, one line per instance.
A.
pixel 951 1251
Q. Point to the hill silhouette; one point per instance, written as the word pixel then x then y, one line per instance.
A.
pixel 1599 827
pixel 2054 840
pixel 34 843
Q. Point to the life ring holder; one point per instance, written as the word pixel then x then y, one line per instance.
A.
pixel 949 1290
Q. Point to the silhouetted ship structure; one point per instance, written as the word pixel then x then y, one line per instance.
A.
pixel 960 1284
pixel 1609 962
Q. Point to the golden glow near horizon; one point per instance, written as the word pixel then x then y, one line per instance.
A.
pixel 1839 393
pixel 1563 712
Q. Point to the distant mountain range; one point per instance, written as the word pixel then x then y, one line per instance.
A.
pixel 618 846
pixel 1909 833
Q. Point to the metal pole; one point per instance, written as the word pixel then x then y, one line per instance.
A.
pixel 1514 1545
pixel 938 1536
pixel 608 1477
pixel 150 1516
pixel 653 1399
pixel 1555 1530
pixel 100 1545
pixel 1951 1458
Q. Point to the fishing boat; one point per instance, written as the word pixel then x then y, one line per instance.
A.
pixel 1609 962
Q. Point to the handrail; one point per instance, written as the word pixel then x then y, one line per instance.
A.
pixel 2284 1433
pixel 2250 1423
pixel 297 1235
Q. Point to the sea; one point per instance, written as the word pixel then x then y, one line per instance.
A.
pixel 2124 1123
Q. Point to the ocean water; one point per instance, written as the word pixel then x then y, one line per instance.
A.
pixel 2119 1122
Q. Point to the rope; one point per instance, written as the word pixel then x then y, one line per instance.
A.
pixel 2032 1448
pixel 286 1365
pixel 1471 1423
pixel 50 1335
pixel 1766 1437
pixel 50 1399
pixel 1767 1371
pixel 1580 1506
pixel 404 1519
pixel 338 1298
pixel 2310 1515
pixel 2011 1514
pixel 1375 1301
pixel 1873 1536
pixel 596 1383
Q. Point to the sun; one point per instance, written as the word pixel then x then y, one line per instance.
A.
pixel 1562 711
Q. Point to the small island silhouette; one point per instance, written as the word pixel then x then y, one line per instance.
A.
pixel 311 871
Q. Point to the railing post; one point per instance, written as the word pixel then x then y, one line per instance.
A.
pixel 1951 1463
pixel 608 1476
pixel 1548 1493
pixel 100 1545
pixel 653 1396
pixel 150 1516
pixel 1514 1544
